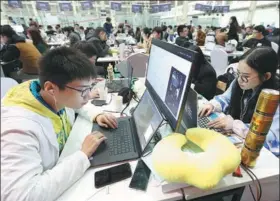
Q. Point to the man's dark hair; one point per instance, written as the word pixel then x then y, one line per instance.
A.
pixel 57 26
pixel 85 47
pixel 7 30
pixel 66 29
pixel 49 27
pixel 170 27
pixel 63 65
pixel 158 30
pixel 108 19
pixel 82 28
pixel 261 29
pixel 98 30
pixel 76 24
pixel 199 26
pixel 180 29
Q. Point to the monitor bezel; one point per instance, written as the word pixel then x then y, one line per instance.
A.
pixel 186 54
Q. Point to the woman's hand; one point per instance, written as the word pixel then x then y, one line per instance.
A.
pixel 206 110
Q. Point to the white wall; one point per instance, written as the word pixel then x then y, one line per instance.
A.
pixel 266 16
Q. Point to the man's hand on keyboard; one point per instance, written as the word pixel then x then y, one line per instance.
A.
pixel 107 121
pixel 91 143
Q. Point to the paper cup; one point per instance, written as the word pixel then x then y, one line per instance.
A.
pixel 117 103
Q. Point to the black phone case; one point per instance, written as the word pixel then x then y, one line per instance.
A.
pixel 138 175
pixel 123 178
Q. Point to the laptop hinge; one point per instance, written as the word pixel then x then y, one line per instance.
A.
pixel 135 136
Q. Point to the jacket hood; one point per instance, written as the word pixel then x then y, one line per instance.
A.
pixel 21 96
pixel 92 35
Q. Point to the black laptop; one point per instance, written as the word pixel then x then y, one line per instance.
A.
pixel 190 117
pixel 117 84
pixel 130 139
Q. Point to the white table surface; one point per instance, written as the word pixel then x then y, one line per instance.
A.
pixel 108 58
pixel 267 170
pixel 84 189
pixel 232 54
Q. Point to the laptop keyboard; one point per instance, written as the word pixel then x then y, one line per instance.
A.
pixel 203 121
pixel 121 141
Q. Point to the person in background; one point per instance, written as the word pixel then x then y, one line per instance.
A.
pixel 90 51
pixel 43 33
pixel 204 76
pixel 221 38
pixel 258 38
pixel 157 33
pixel 82 33
pixel 248 33
pixel 190 32
pixel 165 34
pixel 120 29
pixel 37 117
pixel 71 35
pixel 256 71
pixel 170 33
pixel 33 23
pixel 146 39
pixel 50 31
pixel 58 29
pixel 234 29
pixel 98 39
pixel 183 35
pixel 138 34
pixel 77 28
pixel 17 48
pixel 11 21
pixel 37 40
pixel 130 31
pixel 88 30
pixel 75 32
pixel 200 37
pixel 108 27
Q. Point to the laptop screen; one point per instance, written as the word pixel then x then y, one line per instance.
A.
pixel 147 119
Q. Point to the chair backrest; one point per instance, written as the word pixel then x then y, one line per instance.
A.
pixel 275 46
pixel 209 38
pixel 6 84
pixel 219 60
pixel 210 46
pixel 139 63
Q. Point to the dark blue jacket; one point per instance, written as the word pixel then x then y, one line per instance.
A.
pixel 108 28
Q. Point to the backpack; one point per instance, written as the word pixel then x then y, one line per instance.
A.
pixel 225 80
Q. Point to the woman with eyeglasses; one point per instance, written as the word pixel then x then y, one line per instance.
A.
pixel 256 71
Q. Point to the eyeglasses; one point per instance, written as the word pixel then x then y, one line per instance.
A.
pixel 244 78
pixel 84 92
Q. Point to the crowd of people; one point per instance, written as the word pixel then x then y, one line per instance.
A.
pixel 37 115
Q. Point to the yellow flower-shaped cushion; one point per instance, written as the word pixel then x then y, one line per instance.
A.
pixel 203 170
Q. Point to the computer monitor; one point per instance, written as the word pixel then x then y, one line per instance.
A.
pixel 168 80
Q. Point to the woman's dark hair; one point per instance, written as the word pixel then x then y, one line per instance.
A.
pixel 200 60
pixel 36 36
pixel 66 29
pixel 234 23
pixel 261 59
pixel 147 31
pixel 87 48
pixel 82 28
pixel 63 65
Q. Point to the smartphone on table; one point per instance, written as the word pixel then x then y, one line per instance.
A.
pixel 112 175
pixel 141 176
